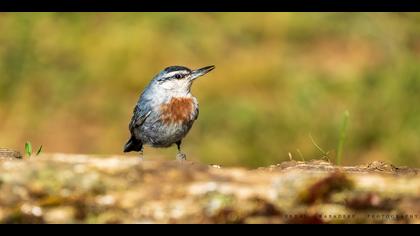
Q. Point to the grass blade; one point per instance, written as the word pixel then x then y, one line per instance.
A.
pixel 343 134
pixel 300 154
pixel 39 151
pixel 28 149
pixel 318 147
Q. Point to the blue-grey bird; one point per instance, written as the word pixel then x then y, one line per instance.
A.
pixel 166 110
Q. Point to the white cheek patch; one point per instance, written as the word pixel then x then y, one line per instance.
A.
pixel 176 87
pixel 169 85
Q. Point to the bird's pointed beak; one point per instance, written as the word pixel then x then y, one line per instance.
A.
pixel 200 72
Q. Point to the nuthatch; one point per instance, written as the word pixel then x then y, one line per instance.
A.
pixel 165 111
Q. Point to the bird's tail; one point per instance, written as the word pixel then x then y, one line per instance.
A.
pixel 133 145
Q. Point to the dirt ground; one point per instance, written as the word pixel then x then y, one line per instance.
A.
pixel 60 188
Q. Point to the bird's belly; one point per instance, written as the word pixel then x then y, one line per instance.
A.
pixel 160 134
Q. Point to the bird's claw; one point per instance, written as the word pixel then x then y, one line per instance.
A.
pixel 181 157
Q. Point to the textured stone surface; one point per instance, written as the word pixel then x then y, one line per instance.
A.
pixel 8 154
pixel 89 189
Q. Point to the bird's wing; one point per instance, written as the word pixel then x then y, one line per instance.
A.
pixel 140 114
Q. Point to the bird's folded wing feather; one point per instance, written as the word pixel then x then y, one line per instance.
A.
pixel 139 116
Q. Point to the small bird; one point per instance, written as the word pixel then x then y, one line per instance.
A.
pixel 165 111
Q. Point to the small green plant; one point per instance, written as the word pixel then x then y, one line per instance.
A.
pixel 343 135
pixel 325 155
pixel 28 149
pixel 341 140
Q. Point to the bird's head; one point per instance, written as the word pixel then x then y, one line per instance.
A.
pixel 179 79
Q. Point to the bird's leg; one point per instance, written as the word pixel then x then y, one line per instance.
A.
pixel 180 156
pixel 141 156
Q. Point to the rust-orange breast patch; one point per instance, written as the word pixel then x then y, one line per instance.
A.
pixel 177 110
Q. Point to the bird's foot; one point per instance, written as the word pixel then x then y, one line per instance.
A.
pixel 181 157
pixel 141 156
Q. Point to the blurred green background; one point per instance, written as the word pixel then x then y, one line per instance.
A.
pixel 69 81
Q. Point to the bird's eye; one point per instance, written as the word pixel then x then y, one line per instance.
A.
pixel 178 76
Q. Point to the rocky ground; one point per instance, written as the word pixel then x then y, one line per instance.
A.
pixel 87 189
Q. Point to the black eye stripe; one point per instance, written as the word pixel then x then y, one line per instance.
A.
pixel 179 75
